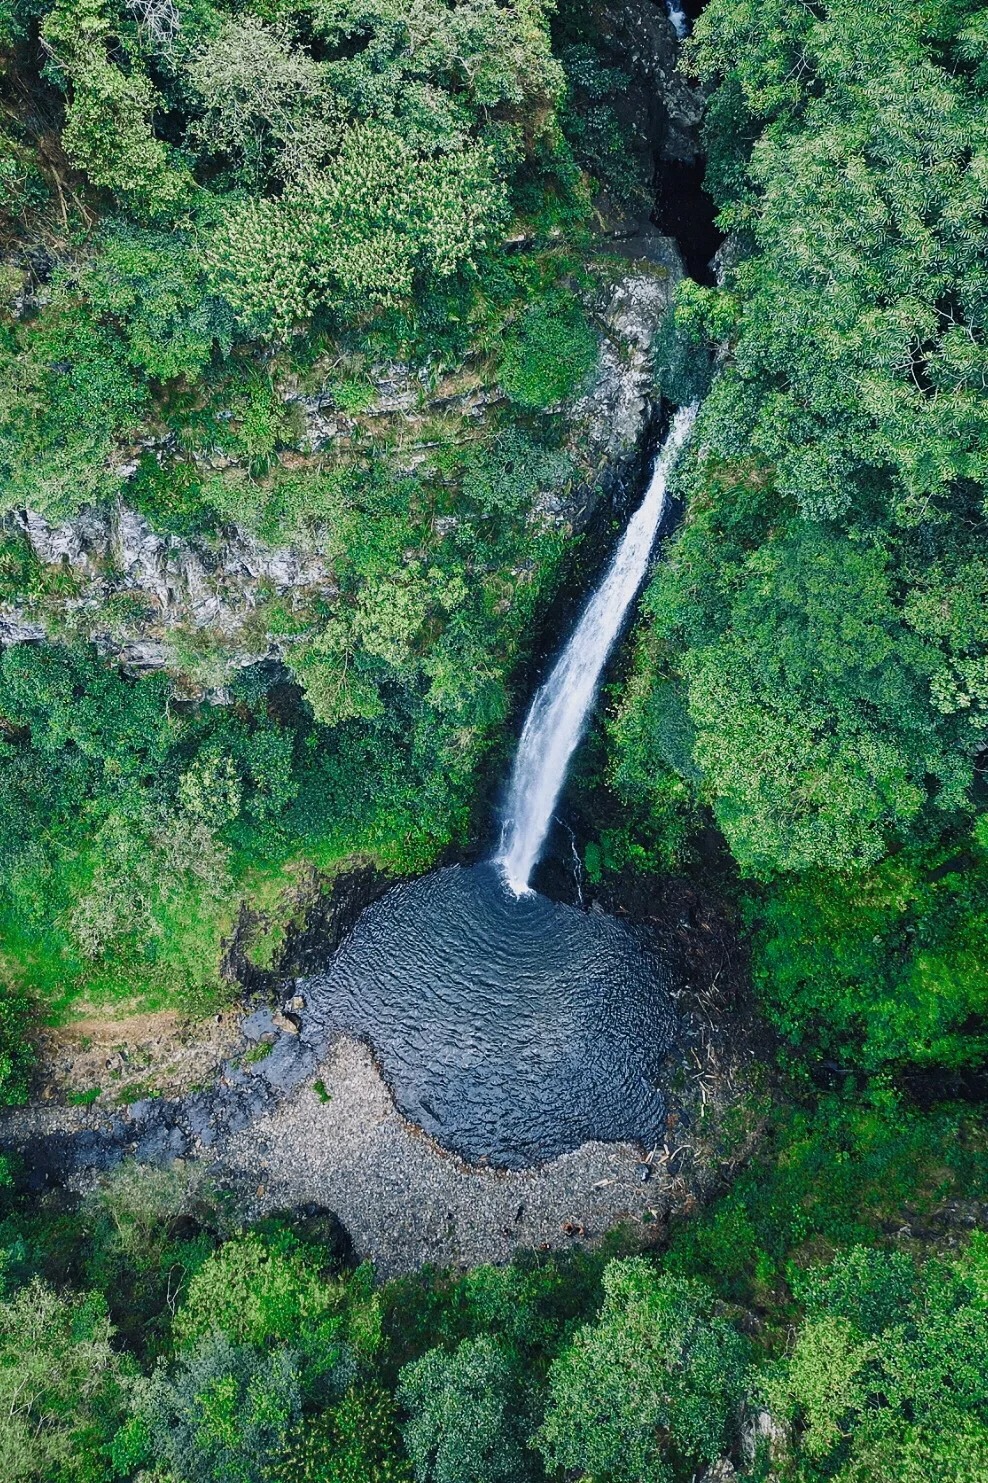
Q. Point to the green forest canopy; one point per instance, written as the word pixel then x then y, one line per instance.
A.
pixel 218 195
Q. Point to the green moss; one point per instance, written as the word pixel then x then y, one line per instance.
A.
pixel 85 1099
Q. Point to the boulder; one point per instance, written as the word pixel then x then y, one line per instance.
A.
pixel 763 1437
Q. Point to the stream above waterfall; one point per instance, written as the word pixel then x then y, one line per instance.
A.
pixel 511 1029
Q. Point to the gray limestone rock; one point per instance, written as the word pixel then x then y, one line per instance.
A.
pixel 257 1025
pixel 185 584
pixel 17 630
pixel 763 1436
pixel 616 409
pixel 160 1145
pixel 721 1471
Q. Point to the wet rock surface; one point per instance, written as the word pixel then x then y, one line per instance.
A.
pixel 660 104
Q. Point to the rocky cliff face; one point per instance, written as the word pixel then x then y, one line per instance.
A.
pixel 171 586
pixel 198 606
pixel 616 408
pixel 659 104
pixel 156 600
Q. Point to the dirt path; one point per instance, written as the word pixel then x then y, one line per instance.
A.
pixel 124 1057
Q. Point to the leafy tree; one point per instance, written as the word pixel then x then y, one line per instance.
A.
pixel 108 129
pixel 266 104
pixel 362 232
pixel 23 185
pixel 466 1422
pixel 262 1293
pixel 887 1373
pixel 814 663
pixel 68 398
pixel 225 1416
pixel 150 286
pixel 63 1386
pixel 591 121
pixel 814 730
pixel 502 480
pixel 883 966
pixel 653 1384
pixel 435 69
pixel 858 352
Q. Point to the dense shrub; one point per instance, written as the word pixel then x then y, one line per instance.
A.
pixel 224 1416
pixel 265 1293
pixel 355 1442
pixel 16 1053
pixel 887 966
pixel 466 1423
pixel 657 1373
pixel 548 356
pixel 63 1386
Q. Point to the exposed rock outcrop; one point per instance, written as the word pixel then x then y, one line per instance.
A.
pixel 764 1439
pixel 149 597
pixel 171 586
pixel 208 586
pixel 626 387
pixel 660 105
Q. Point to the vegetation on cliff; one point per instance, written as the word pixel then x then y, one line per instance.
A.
pixel 214 215
pixel 813 665
pixel 203 203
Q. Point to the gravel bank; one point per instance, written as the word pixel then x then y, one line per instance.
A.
pixel 406 1202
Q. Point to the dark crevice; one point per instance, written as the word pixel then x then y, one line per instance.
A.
pixel 685 212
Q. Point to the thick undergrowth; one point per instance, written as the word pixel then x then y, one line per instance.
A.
pixel 226 225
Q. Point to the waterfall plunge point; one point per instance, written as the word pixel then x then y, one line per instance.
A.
pixel 559 712
pixel 513 1028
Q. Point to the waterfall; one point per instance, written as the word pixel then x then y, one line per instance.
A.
pixel 679 19
pixel 559 711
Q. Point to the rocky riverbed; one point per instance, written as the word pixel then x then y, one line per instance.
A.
pixel 285 1115
pixel 338 1141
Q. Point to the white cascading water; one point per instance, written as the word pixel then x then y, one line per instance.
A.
pixel 678 17
pixel 560 709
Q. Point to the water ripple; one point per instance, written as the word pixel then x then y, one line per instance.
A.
pixel 510 1028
